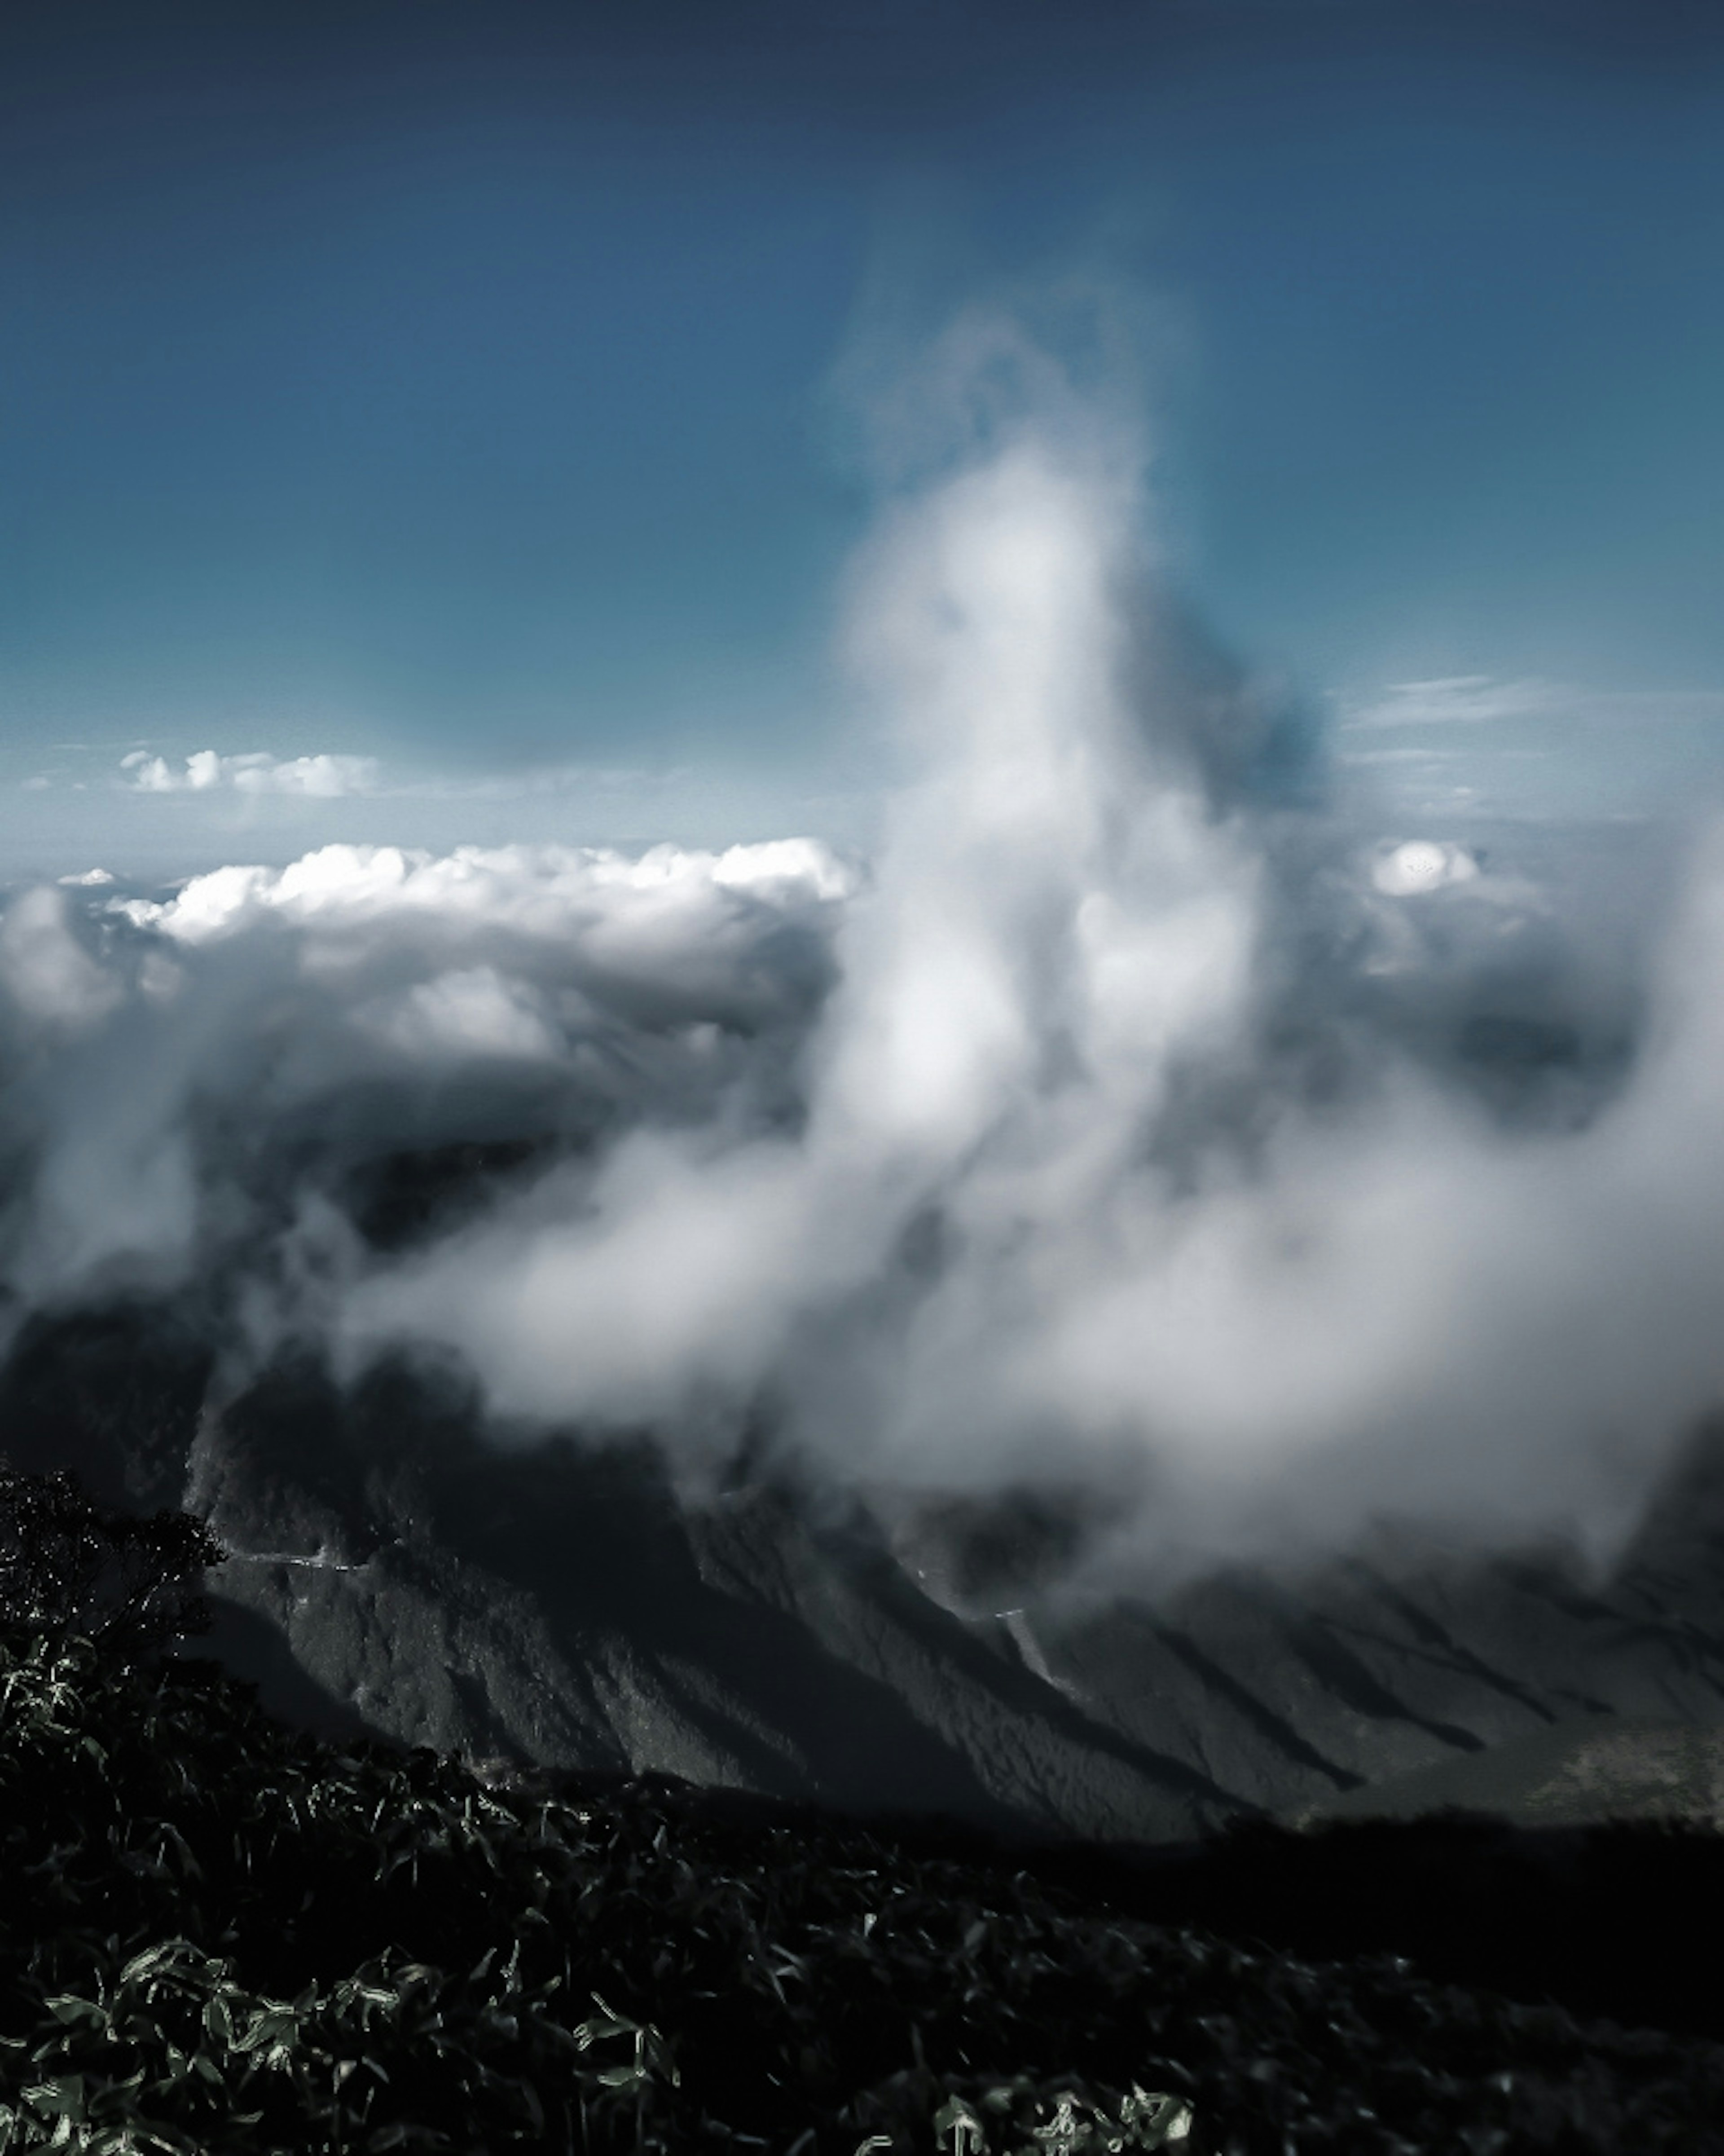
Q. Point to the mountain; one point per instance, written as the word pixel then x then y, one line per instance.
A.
pixel 394 1573
pixel 1614 1766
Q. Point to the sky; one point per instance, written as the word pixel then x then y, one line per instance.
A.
pixel 467 415
pixel 987 742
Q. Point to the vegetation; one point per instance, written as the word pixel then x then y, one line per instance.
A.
pixel 69 1568
pixel 220 1937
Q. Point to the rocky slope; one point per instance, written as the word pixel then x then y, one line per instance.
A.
pixel 393 1574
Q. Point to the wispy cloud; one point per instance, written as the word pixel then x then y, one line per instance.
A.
pixel 324 777
pixel 561 778
pixel 1530 748
pixel 1482 699
pixel 1457 700
pixel 331 776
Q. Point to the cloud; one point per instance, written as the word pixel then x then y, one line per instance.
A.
pixel 1115 1123
pixel 1562 751
pixel 1061 1199
pixel 1458 700
pixel 189 1069
pixel 322 778
pixel 666 903
pixel 1417 866
pixel 1469 700
pixel 45 969
pixel 471 1013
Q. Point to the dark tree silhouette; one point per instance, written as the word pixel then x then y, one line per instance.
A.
pixel 69 1567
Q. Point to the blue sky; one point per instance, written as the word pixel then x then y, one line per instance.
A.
pixel 466 392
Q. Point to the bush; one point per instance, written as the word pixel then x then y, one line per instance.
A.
pixel 69 1569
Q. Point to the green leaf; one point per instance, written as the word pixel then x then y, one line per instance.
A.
pixel 61 2098
pixel 275 2024
pixel 151 1958
pixel 66 2007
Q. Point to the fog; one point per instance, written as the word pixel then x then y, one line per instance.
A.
pixel 1141 1115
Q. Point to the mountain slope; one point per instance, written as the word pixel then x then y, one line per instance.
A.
pixel 395 1574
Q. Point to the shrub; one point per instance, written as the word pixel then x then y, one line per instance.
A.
pixel 70 1568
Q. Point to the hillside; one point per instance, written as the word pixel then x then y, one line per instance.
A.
pixel 396 1576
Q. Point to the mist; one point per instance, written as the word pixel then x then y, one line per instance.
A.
pixel 1145 1116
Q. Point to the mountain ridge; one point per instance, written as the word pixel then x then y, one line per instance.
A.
pixel 397 1575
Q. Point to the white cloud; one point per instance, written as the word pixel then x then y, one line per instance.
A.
pixel 1414 867
pixel 323 778
pixel 1383 1302
pixel 1104 1128
pixel 44 968
pixel 471 1013
pixel 388 997
pixel 673 901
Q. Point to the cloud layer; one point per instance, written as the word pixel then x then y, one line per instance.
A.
pixel 1120 1121
pixel 324 777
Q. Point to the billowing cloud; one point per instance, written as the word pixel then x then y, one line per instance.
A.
pixel 470 1013
pixel 45 969
pixel 1115 1123
pixel 274 1031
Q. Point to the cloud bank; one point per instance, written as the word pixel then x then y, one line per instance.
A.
pixel 1121 1122
pixel 326 778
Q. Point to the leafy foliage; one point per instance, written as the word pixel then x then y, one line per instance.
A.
pixel 223 1935
pixel 69 1568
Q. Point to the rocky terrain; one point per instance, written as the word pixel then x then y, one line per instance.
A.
pixel 394 1576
